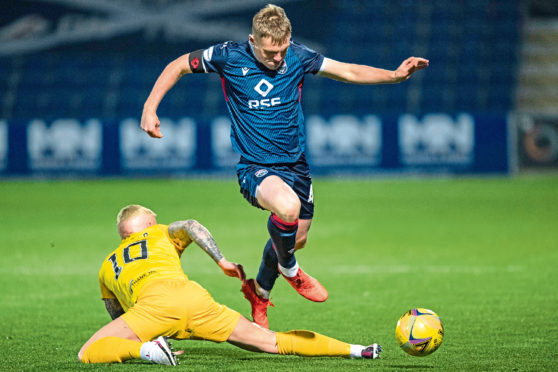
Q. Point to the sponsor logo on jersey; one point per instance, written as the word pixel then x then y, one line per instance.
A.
pixel 245 71
pixel 263 88
pixel 266 85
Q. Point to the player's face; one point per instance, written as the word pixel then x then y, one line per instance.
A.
pixel 269 53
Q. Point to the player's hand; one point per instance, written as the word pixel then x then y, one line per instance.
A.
pixel 150 124
pixel 408 67
pixel 232 269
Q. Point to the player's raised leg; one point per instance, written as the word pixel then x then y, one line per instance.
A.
pixel 279 198
pixel 269 270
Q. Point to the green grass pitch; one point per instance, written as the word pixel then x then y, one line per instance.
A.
pixel 483 253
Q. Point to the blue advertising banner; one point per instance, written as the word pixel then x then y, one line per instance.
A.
pixel 432 143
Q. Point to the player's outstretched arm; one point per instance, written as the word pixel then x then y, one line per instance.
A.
pixel 186 232
pixel 362 74
pixel 170 75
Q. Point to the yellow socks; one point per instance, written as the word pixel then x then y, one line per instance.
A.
pixel 111 349
pixel 308 343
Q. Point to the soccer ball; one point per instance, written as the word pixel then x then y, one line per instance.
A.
pixel 419 332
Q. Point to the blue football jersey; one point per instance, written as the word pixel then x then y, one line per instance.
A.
pixel 264 105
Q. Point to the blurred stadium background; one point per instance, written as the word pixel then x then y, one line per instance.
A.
pixel 481 251
pixel 74 75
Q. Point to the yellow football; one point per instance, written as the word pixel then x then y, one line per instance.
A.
pixel 419 332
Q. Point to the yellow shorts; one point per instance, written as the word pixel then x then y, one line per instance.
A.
pixel 180 309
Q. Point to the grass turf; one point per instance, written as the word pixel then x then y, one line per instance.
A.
pixel 480 252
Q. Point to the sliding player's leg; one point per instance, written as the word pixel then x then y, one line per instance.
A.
pixel 251 337
pixel 116 342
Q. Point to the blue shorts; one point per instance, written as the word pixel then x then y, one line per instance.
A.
pixel 296 175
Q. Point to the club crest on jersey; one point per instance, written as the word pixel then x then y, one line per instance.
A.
pixel 261 173
pixel 283 68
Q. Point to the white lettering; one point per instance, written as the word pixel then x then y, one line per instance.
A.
pixel 65 144
pixel 344 139
pixel 176 150
pixel 266 102
pixel 437 138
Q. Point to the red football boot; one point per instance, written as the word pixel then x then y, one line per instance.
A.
pixel 259 304
pixel 307 286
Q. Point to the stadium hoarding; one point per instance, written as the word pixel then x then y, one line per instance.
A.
pixel 429 144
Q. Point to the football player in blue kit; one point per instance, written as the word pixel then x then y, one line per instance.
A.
pixel 262 82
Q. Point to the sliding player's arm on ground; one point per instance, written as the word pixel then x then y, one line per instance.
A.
pixel 186 232
pixel 113 307
pixel 362 74
pixel 168 78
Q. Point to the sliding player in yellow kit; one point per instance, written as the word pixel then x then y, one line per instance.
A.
pixel 150 299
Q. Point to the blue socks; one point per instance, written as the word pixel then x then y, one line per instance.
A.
pixel 283 237
pixel 268 268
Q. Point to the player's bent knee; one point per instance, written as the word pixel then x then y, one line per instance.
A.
pixel 289 209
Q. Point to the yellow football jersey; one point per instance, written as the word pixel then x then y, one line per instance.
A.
pixel 141 257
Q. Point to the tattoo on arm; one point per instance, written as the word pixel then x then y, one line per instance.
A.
pixel 113 307
pixel 192 230
pixel 178 232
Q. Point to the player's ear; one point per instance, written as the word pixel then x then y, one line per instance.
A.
pixel 251 39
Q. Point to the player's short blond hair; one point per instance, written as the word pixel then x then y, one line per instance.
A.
pixel 132 211
pixel 271 21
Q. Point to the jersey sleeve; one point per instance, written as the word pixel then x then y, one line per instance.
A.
pixel 311 60
pixel 105 292
pixel 215 57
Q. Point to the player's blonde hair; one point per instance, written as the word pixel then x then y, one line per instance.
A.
pixel 132 211
pixel 271 21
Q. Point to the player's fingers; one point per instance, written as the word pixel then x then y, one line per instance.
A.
pixel 420 62
pixel 155 132
pixel 241 273
pixel 409 61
